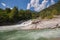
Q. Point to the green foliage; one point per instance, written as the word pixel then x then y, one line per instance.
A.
pixel 7 10
pixel 9 16
pixel 13 13
pixel 51 11
pixel 12 16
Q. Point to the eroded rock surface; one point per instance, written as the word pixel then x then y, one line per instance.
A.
pixel 35 24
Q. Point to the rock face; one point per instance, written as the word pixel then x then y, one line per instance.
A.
pixel 35 24
pixel 51 23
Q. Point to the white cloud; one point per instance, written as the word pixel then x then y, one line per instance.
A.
pixel 38 7
pixel 3 4
pixel 41 6
pixel 6 5
pixel 9 7
pixel 52 2
pixel 48 5
pixel 28 7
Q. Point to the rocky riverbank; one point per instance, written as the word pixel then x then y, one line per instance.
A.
pixel 35 24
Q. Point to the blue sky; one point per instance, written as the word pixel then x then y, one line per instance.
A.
pixel 21 4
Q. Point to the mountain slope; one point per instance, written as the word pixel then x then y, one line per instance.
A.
pixel 40 24
pixel 55 6
pixel 50 11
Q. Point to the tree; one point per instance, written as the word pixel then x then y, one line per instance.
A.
pixel 54 12
pixel 28 14
pixel 21 15
pixel 49 15
pixel 14 14
pixel 7 10
pixel 42 14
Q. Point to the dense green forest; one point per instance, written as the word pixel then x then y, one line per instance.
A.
pixel 11 16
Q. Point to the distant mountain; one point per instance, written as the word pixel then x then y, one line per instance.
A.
pixel 50 11
pixel 52 7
